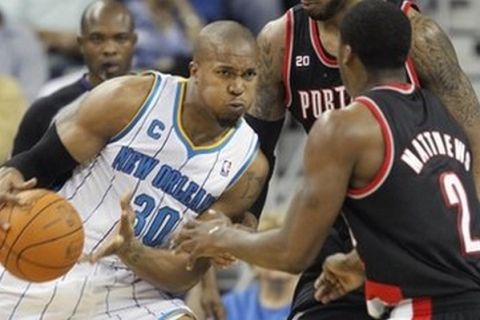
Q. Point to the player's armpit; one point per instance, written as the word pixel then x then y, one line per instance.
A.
pixel 239 198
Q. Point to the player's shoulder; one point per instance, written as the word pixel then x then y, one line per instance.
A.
pixel 344 124
pixel 274 31
pixel 135 82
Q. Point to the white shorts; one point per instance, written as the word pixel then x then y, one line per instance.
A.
pixel 87 292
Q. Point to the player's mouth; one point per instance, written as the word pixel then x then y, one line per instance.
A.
pixel 110 67
pixel 237 106
pixel 306 4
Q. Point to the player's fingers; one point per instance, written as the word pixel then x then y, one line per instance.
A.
pixel 24 185
pixel 185 246
pixel 190 224
pixel 11 199
pixel 321 280
pixel 108 249
pixel 219 311
pixel 181 237
pixel 207 309
pixel 126 225
pixel 223 262
pixel 192 258
pixel 125 201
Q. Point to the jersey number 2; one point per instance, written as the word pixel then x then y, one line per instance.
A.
pixel 455 196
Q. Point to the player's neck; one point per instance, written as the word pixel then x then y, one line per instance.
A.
pixel 201 127
pixel 329 30
pixel 93 79
pixel 333 24
pixel 380 78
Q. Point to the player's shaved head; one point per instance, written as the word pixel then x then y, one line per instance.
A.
pixel 97 10
pixel 220 35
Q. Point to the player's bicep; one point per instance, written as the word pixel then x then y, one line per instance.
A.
pixel 103 113
pixel 270 93
pixel 78 132
pixel 240 197
pixel 437 66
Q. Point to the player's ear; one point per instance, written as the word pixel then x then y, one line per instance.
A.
pixel 346 54
pixel 193 67
pixel 80 41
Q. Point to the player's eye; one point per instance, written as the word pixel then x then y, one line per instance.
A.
pixel 224 73
pixel 95 38
pixel 249 75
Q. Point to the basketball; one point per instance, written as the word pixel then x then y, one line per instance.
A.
pixel 45 238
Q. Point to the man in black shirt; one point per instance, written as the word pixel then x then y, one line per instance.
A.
pixel 107 42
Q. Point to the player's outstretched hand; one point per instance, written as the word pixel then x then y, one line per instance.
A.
pixel 202 239
pixel 12 182
pixel 341 274
pixel 121 241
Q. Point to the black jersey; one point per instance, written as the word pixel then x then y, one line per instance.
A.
pixel 311 76
pixel 418 222
pixel 312 84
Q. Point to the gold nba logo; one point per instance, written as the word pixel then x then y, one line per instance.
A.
pixel 226 168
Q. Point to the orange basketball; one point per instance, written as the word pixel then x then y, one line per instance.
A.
pixel 45 238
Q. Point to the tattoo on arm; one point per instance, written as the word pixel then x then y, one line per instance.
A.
pixel 269 99
pixel 134 254
pixel 253 186
pixel 437 65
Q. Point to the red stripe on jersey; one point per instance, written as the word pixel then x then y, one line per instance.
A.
pixel 317 46
pixel 403 88
pixel 409 4
pixel 409 65
pixel 384 170
pixel 412 72
pixel 287 59
pixel 389 294
pixel 422 309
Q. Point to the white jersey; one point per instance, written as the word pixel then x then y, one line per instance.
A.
pixel 172 180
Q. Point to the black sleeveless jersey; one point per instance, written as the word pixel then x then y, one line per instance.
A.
pixel 310 75
pixel 312 85
pixel 418 222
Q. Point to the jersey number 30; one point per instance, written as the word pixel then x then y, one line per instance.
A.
pixel 155 229
pixel 455 196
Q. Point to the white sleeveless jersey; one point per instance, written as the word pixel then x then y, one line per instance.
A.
pixel 171 179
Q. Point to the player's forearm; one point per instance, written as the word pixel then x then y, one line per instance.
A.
pixel 267 249
pixel 162 268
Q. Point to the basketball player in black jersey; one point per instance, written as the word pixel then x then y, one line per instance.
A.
pixel 394 147
pixel 299 73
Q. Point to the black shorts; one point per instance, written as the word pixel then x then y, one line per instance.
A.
pixel 304 305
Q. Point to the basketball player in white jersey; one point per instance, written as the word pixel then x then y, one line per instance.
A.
pixel 179 146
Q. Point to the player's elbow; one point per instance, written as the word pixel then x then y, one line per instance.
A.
pixel 296 262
